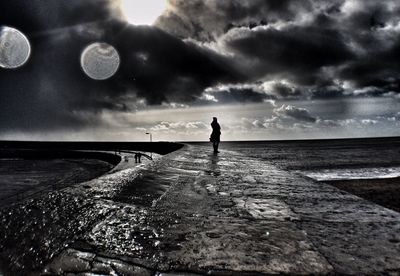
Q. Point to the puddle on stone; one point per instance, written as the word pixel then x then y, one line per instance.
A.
pixel 267 209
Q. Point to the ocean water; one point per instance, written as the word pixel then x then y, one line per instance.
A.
pixel 20 178
pixel 329 159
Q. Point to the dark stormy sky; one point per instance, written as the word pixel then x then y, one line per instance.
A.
pixel 269 69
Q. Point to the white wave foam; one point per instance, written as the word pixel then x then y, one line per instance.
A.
pixel 348 174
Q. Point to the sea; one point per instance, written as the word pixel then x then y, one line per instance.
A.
pixel 22 178
pixel 325 160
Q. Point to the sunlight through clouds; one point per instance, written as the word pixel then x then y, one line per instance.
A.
pixel 142 12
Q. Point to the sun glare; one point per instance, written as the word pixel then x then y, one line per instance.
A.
pixel 143 12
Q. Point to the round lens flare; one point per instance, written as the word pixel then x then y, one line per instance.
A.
pixel 100 61
pixel 15 48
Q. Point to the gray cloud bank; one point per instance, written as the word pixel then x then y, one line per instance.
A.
pixel 323 48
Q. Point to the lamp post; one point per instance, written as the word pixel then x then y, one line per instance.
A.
pixel 151 140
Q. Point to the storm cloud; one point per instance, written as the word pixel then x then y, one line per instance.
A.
pixel 199 52
pixel 52 92
pixel 323 48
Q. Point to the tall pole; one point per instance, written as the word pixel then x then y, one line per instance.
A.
pixel 151 141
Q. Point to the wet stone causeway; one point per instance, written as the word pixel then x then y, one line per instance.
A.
pixel 192 213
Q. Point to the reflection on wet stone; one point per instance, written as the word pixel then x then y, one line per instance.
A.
pixel 213 168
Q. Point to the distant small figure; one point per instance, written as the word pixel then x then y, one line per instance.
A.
pixel 138 157
pixel 216 134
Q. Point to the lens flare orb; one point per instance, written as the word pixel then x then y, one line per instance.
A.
pixel 15 48
pixel 100 61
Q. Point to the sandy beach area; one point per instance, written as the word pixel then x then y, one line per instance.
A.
pixel 385 192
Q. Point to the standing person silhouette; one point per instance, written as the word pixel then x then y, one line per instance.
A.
pixel 216 134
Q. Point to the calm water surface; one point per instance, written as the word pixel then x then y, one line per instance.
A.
pixel 19 177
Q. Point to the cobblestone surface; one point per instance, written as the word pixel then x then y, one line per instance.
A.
pixel 193 212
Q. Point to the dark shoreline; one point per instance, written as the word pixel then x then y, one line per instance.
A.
pixel 384 192
pixel 28 154
pixel 162 148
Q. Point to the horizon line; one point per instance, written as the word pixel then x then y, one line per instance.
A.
pixel 204 141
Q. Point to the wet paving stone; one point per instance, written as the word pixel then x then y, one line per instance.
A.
pixel 195 213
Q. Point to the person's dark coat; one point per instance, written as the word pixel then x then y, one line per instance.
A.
pixel 216 133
